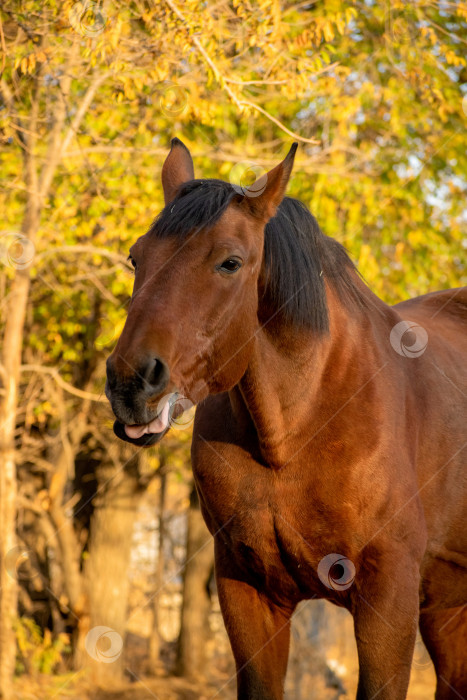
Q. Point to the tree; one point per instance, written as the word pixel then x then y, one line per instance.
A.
pixel 91 94
pixel 107 582
pixel 196 605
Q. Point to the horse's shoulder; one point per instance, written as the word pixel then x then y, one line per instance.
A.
pixel 444 304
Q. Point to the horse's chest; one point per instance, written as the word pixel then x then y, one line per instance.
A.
pixel 269 543
pixel 256 519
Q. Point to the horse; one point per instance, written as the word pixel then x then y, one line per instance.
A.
pixel 329 442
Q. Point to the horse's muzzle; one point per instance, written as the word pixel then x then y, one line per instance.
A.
pixel 129 396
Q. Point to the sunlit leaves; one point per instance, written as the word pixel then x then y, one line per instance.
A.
pixel 378 85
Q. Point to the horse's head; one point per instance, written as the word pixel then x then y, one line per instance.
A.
pixel 194 311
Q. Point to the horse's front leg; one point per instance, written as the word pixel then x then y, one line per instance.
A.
pixel 386 609
pixel 259 634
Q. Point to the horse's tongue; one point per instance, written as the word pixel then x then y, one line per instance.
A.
pixel 135 431
pixel 157 425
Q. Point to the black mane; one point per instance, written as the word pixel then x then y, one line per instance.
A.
pixel 297 255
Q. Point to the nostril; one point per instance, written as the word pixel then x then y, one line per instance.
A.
pixel 156 374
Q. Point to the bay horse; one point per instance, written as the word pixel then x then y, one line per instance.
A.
pixel 329 444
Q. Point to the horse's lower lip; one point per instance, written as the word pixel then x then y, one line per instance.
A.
pixel 145 440
pixel 149 433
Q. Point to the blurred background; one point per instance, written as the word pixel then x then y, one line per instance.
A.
pixel 106 568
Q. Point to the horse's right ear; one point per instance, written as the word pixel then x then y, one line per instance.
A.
pixel 177 169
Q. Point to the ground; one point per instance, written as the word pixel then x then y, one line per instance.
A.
pixel 74 687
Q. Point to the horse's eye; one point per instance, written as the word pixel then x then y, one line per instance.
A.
pixel 132 261
pixel 230 265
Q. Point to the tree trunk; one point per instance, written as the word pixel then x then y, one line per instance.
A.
pixel 106 574
pixel 156 637
pixel 196 605
pixel 37 188
pixel 12 346
pixel 68 549
pixel 15 311
pixel 8 600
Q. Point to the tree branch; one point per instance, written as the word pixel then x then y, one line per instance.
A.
pixel 91 250
pixel 57 148
pixel 63 384
pixel 222 81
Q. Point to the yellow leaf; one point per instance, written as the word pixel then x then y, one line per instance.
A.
pixel 340 24
pixel 129 92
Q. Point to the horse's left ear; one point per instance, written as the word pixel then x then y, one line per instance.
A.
pixel 264 196
pixel 177 169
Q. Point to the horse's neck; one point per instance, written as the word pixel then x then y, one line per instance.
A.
pixel 293 374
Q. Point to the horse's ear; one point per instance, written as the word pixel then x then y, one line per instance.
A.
pixel 177 169
pixel 264 196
